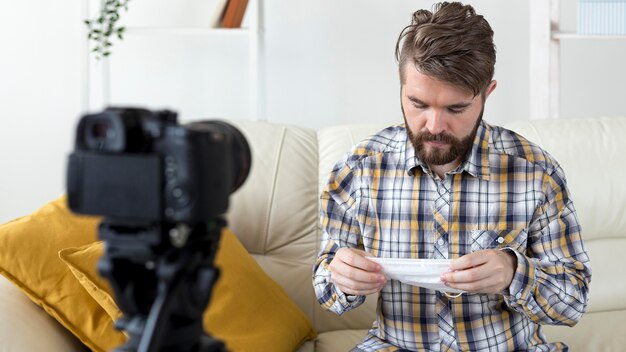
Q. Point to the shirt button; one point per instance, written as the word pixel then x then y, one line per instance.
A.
pixel 440 242
pixel 500 240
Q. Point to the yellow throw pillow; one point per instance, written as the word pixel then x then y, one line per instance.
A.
pixel 248 310
pixel 29 258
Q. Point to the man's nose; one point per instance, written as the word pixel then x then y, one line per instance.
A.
pixel 435 123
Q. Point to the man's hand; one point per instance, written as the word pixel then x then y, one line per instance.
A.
pixel 486 271
pixel 354 274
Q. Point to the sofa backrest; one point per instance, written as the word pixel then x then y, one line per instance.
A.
pixel 275 213
pixel 592 152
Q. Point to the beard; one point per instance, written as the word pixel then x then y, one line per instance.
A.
pixel 456 148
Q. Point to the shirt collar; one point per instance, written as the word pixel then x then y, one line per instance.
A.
pixel 476 163
pixel 411 161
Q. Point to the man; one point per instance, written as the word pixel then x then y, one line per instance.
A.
pixel 447 185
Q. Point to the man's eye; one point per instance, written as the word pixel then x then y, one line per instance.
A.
pixel 419 106
pixel 456 111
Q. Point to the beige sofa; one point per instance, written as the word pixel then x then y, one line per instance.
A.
pixel 275 215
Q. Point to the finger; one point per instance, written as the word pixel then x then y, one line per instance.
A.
pixel 350 286
pixel 482 286
pixel 466 276
pixel 352 273
pixel 482 281
pixel 470 260
pixel 357 259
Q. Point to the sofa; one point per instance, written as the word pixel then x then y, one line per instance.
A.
pixel 275 216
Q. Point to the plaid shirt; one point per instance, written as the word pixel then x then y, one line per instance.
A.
pixel 509 193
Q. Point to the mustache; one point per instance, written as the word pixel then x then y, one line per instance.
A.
pixel 441 137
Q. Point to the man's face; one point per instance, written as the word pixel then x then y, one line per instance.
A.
pixel 441 118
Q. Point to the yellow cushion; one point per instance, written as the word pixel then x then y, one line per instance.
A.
pixel 248 310
pixel 29 249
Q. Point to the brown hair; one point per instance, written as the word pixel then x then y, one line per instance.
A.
pixel 452 44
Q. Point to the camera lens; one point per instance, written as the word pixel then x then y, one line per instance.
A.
pixel 241 154
pixel 237 146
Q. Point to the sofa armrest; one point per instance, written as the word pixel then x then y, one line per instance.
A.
pixel 25 327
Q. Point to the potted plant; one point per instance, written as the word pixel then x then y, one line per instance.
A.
pixel 104 28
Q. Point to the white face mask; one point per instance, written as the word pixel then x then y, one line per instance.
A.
pixel 417 272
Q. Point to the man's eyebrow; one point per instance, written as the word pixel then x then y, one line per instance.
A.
pixel 459 105
pixel 417 101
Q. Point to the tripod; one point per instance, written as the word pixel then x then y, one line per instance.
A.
pixel 162 276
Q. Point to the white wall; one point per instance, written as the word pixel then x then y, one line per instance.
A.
pixel 328 62
pixel 332 62
pixel 593 74
pixel 39 100
pixel 198 74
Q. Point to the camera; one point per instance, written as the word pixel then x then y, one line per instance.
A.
pixel 162 189
pixel 139 166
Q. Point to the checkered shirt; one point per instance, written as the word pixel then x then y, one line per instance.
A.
pixel 508 194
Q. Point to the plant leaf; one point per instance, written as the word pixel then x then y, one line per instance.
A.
pixel 104 26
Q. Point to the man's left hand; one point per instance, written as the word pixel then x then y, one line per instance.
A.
pixel 485 271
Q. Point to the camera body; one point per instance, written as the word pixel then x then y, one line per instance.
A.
pixel 136 167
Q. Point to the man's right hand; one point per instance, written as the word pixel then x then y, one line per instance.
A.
pixel 354 274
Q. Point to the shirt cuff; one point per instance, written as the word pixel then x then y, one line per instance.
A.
pixel 520 290
pixel 348 301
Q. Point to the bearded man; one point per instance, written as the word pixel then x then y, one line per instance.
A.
pixel 448 185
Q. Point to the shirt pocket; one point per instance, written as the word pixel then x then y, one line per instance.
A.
pixel 497 239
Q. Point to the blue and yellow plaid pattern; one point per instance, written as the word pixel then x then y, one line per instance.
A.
pixel 508 194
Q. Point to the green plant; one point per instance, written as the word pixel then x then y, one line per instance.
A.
pixel 104 28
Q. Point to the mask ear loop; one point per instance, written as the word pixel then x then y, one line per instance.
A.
pixel 452 296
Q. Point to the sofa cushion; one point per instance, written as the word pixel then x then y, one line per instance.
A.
pixel 25 327
pixel 597 331
pixel 339 340
pixel 248 310
pixel 29 258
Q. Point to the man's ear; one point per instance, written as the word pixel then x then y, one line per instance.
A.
pixel 490 88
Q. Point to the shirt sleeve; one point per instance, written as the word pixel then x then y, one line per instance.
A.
pixel 551 282
pixel 340 228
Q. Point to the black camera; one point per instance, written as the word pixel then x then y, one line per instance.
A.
pixel 139 166
pixel 162 189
